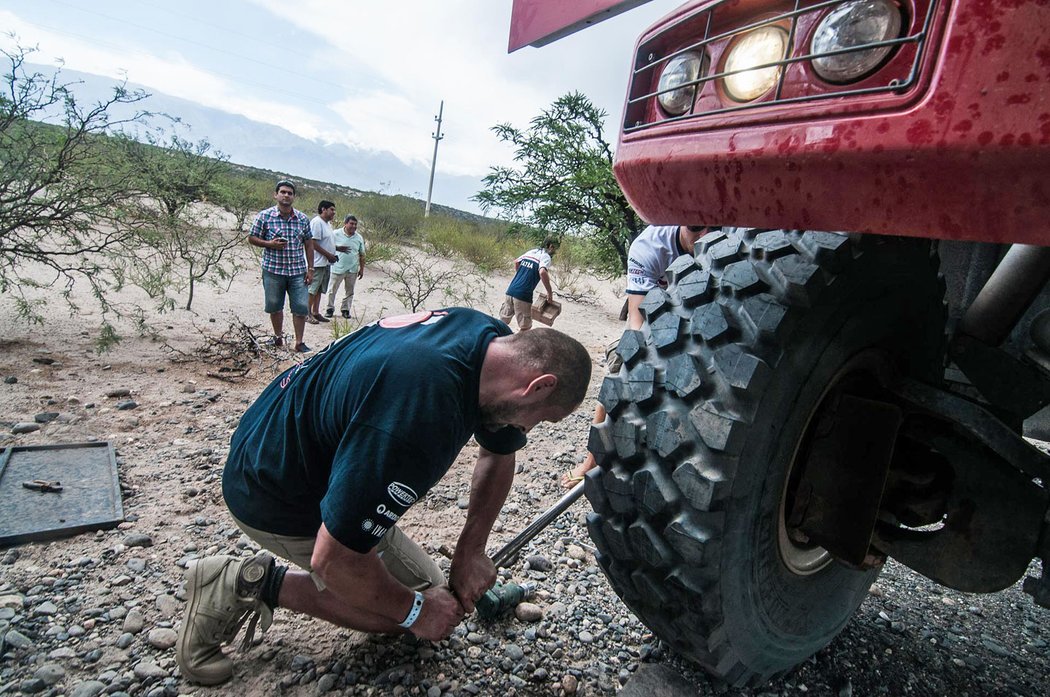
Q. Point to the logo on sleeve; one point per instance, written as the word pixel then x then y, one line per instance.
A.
pixel 372 528
pixel 401 493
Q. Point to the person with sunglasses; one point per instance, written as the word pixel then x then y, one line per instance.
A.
pixel 648 258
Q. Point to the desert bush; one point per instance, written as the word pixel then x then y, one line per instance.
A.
pixel 389 218
pixel 451 238
pixel 417 282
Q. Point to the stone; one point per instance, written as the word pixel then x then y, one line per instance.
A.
pixel 528 612
pixel 45 608
pixel 539 562
pixel 88 688
pixel 11 380
pixel 168 605
pixel 127 404
pixel 45 417
pixel 50 673
pixel 134 622
pixel 16 639
pixel 161 638
pixel 569 684
pixel 514 652
pixel 125 640
pixel 146 670
pixel 657 679
pixel 119 392
pixel 327 682
pixel 25 427
pixel 138 540
pixel 14 600
pixel 32 687
pixel 577 552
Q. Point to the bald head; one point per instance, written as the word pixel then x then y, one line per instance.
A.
pixel 549 351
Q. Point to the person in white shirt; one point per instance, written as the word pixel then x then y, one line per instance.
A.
pixel 647 260
pixel 530 269
pixel 324 255
pixel 350 266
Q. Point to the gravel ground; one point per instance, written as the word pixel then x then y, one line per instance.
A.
pixel 97 613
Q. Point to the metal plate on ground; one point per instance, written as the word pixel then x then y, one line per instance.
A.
pixel 89 499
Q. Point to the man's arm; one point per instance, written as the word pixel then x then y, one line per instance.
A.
pixel 255 236
pixel 362 581
pixel 472 572
pixel 361 264
pixel 546 279
pixel 308 245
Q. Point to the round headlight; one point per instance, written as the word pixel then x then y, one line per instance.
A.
pixel 758 47
pixel 680 70
pixel 851 25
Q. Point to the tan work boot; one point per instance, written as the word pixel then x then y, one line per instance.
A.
pixel 222 593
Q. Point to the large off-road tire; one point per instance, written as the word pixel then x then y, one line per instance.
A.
pixel 707 418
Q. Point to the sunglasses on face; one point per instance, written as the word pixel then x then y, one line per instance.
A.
pixel 704 228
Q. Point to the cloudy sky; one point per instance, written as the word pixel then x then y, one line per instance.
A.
pixel 360 72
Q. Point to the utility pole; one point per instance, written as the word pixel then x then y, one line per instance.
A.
pixel 433 164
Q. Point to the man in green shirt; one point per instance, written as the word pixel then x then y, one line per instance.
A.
pixel 350 247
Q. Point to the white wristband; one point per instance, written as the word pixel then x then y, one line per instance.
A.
pixel 413 614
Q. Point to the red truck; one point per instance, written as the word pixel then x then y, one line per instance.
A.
pixel 843 376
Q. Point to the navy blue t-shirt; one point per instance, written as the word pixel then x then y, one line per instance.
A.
pixel 363 429
pixel 528 274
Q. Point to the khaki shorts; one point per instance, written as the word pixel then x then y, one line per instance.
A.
pixel 613 359
pixel 404 559
pixel 520 310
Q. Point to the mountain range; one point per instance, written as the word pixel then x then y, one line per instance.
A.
pixel 265 146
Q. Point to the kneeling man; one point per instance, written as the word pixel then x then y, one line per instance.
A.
pixel 336 449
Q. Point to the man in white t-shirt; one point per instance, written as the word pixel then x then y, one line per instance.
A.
pixel 324 255
pixel 647 260
pixel 530 269
pixel 350 266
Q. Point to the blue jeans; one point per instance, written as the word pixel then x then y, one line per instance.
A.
pixel 274 288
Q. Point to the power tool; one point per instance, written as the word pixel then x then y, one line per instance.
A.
pixel 503 597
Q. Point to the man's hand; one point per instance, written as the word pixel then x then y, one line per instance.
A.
pixel 360 274
pixel 472 574
pixel 440 614
pixel 278 243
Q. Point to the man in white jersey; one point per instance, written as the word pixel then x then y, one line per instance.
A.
pixel 529 270
pixel 647 260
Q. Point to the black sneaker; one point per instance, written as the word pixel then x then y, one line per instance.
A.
pixel 303 348
pixel 329 312
pixel 346 314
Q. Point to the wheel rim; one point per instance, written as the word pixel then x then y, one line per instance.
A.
pixel 801 558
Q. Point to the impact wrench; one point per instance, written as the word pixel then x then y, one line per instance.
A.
pixel 504 596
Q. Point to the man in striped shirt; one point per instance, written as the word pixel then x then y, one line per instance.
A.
pixel 287 262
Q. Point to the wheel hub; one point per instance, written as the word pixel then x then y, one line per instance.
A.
pixel 834 485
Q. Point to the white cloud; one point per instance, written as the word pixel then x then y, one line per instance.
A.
pixel 172 74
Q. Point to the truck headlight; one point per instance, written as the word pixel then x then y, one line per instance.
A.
pixel 849 25
pixel 680 70
pixel 757 47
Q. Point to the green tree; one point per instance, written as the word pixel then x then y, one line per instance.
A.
pixel 182 244
pixel 563 181
pixel 67 205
